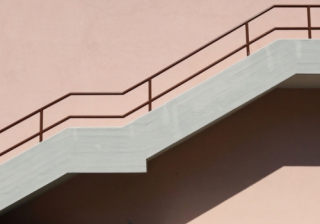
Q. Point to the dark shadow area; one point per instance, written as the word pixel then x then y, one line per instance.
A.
pixel 39 192
pixel 280 129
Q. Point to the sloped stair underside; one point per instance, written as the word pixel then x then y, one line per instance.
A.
pixel 126 149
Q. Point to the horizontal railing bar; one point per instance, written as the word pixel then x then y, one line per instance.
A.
pixel 96 116
pixel 277 6
pixel 291 28
pixel 297 6
pixel 280 28
pixel 96 94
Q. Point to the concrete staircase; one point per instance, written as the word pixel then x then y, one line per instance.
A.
pixel 127 149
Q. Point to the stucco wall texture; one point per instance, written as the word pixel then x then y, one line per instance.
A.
pixel 50 48
pixel 259 165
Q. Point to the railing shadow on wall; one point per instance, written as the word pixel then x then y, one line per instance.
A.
pixel 149 80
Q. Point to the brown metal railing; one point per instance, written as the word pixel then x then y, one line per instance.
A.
pixel 245 24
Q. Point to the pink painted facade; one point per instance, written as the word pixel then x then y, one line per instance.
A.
pixel 50 48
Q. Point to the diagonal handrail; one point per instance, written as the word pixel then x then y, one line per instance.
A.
pixel 148 80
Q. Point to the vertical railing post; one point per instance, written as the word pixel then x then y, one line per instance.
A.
pixel 41 126
pixel 309 22
pixel 247 39
pixel 150 94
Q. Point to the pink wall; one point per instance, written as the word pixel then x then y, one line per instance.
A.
pixel 230 173
pixel 50 48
